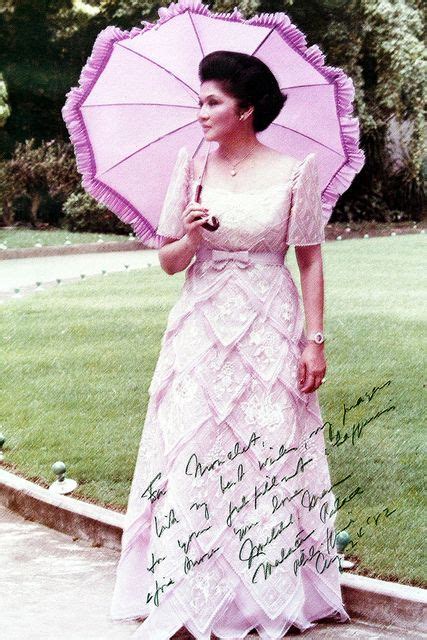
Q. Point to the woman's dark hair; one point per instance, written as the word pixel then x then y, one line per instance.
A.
pixel 247 79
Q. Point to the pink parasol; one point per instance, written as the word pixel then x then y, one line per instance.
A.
pixel 137 103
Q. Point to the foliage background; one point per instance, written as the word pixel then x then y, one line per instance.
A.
pixel 378 43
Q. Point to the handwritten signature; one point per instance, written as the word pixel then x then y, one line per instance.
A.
pixel 338 437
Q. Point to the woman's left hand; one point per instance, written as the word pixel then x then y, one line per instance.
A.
pixel 311 368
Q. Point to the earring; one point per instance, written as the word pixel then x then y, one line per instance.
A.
pixel 243 117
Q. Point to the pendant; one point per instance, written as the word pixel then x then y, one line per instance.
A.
pixel 233 172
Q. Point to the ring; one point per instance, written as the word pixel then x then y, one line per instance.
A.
pixel 323 380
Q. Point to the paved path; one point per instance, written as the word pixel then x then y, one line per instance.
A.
pixel 53 587
pixel 24 273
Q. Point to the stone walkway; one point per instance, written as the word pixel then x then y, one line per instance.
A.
pixel 24 273
pixel 54 587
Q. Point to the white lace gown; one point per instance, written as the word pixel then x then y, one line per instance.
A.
pixel 230 520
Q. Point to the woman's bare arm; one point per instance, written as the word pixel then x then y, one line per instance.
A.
pixel 310 263
pixel 312 366
pixel 176 255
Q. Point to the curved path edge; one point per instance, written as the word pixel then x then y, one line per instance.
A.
pixel 369 599
pixel 59 250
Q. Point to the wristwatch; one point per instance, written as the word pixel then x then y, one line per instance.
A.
pixel 316 337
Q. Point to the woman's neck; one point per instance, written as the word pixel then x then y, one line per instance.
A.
pixel 235 147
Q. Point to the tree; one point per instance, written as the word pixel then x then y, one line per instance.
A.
pixel 379 44
pixel 386 58
pixel 4 106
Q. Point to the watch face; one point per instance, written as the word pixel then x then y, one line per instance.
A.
pixel 318 337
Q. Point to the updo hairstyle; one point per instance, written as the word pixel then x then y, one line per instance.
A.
pixel 247 79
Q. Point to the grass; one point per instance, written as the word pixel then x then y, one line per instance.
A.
pixel 78 360
pixel 21 238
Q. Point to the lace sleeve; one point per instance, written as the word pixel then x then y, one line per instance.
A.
pixel 306 223
pixel 177 197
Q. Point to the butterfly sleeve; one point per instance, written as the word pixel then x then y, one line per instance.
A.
pixel 306 225
pixel 177 197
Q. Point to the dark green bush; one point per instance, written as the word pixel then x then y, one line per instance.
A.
pixel 84 213
pixel 40 177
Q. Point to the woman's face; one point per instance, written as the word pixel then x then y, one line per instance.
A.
pixel 218 111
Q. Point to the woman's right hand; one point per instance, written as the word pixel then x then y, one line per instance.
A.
pixel 192 226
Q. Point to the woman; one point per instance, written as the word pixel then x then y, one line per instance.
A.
pixel 230 521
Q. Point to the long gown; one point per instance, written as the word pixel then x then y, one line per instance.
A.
pixel 230 519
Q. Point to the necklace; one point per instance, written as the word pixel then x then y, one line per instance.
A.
pixel 234 164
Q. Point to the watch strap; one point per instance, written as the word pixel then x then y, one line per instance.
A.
pixel 317 337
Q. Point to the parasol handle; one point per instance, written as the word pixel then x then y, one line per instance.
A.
pixel 214 223
pixel 198 192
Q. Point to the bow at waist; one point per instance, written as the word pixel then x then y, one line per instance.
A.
pixel 242 258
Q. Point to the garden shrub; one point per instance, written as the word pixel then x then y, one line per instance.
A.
pixel 84 213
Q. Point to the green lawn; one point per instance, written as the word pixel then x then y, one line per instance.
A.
pixel 78 360
pixel 21 238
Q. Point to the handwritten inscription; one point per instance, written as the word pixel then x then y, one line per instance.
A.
pixel 266 568
pixel 189 564
pixel 194 534
pixel 154 562
pixel 309 500
pixel 277 504
pixel 235 509
pixel 199 505
pixel 152 493
pixel 242 531
pixel 352 433
pixel 338 504
pixel 196 468
pixel 367 397
pixel 171 519
pixel 261 491
pixel 261 550
pixel 269 460
pixel 267 486
pixel 321 561
pixel 159 589
pixel 337 438
pixel 300 467
pixel 249 550
pixel 370 520
pixel 240 475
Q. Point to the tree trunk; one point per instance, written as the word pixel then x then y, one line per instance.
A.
pixel 35 206
pixel 8 214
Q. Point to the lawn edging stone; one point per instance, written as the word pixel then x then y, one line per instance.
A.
pixel 77 518
pixel 55 250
